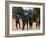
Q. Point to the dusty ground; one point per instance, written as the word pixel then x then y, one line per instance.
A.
pixel 20 29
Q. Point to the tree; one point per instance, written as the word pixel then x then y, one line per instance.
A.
pixel 36 12
pixel 17 11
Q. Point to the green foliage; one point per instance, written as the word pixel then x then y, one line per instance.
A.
pixel 36 12
pixel 17 10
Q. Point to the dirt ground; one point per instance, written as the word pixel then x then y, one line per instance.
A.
pixel 20 29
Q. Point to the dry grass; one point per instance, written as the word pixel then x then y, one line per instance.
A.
pixel 20 29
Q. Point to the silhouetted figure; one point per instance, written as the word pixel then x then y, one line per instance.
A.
pixel 38 22
pixel 17 21
pixel 30 16
pixel 30 20
pixel 25 20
